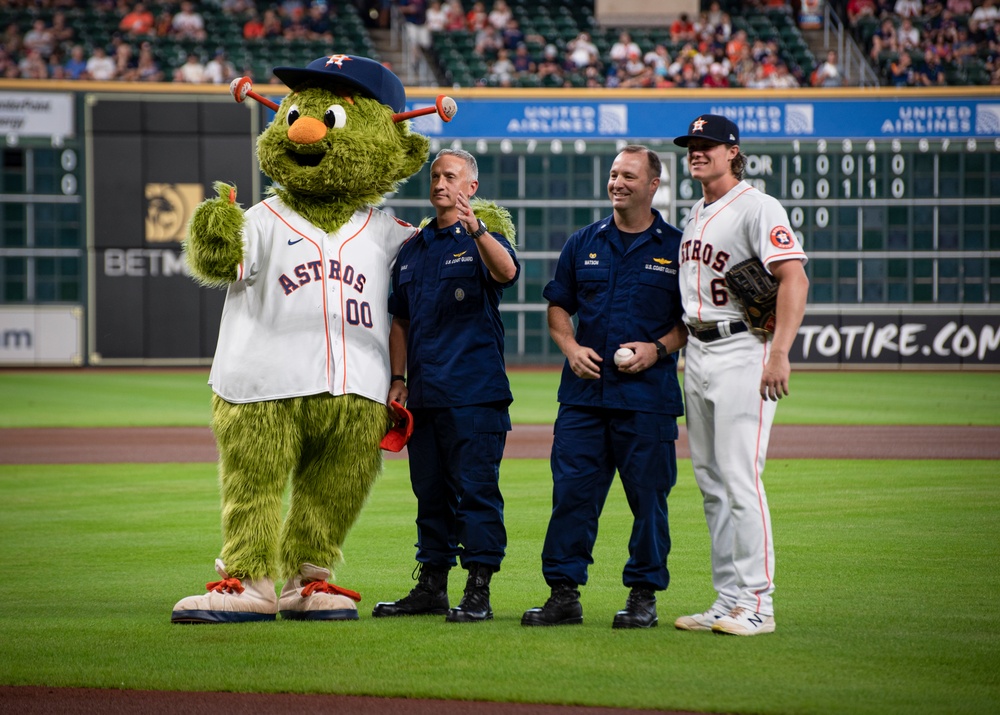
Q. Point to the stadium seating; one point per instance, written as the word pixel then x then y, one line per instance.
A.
pixel 453 54
pixel 560 21
pixel 254 57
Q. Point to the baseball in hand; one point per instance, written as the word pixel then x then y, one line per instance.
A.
pixel 623 354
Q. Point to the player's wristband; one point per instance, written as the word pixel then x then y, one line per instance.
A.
pixel 401 378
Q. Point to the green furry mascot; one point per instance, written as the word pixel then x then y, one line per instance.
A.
pixel 301 371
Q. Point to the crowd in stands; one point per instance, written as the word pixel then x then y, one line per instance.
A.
pixel 911 42
pixel 52 50
pixel 704 51
pixel 929 42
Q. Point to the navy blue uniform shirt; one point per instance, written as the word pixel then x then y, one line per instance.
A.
pixel 454 346
pixel 621 296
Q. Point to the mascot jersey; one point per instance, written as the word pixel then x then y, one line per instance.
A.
pixel 307 313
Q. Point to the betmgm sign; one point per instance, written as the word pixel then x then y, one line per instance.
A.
pixel 153 160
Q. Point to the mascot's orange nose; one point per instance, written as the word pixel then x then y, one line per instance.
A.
pixel 306 130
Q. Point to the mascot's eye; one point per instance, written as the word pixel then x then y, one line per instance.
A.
pixel 293 114
pixel 335 116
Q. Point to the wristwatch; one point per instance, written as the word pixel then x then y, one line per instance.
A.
pixel 480 231
pixel 661 350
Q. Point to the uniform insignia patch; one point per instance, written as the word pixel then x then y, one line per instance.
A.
pixel 782 237
pixel 663 261
pixel 459 294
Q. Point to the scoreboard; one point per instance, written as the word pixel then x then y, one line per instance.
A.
pixel 920 220
pixel 884 221
pixel 903 236
pixel 824 174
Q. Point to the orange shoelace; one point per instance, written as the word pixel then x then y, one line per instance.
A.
pixel 327 587
pixel 227 585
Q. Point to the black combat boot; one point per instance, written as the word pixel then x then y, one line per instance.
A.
pixel 475 603
pixel 562 609
pixel 428 598
pixel 639 611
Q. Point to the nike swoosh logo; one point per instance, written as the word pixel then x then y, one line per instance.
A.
pixel 292 243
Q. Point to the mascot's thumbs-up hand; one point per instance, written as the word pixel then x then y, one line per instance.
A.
pixel 214 246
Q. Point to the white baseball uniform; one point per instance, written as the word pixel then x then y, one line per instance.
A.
pixel 308 311
pixel 728 422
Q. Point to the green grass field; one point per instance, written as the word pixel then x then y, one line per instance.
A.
pixel 886 572
pixel 136 398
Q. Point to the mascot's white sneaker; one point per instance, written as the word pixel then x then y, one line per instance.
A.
pixel 230 600
pixel 309 596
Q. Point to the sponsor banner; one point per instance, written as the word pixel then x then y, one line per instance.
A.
pixel 36 114
pixel 903 340
pixel 641 119
pixel 153 163
pixel 41 335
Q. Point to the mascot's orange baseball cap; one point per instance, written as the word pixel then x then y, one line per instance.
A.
pixel 397 437
pixel 369 76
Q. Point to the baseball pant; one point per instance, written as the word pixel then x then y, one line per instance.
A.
pixel 729 426
pixel 454 457
pixel 589 444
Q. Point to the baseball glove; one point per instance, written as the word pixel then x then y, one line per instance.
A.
pixel 757 292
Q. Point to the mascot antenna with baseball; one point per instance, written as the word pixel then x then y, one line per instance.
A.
pixel 301 370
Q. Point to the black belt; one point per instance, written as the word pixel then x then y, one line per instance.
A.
pixel 708 335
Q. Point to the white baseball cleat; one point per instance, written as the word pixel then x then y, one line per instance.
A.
pixel 700 621
pixel 744 622
pixel 309 596
pixel 231 600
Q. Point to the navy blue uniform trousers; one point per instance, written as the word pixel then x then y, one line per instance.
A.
pixel 454 457
pixel 590 444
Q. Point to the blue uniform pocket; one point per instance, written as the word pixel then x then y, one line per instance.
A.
pixel 406 276
pixel 489 435
pixel 593 274
pixel 459 289
pixel 653 295
pixel 592 283
pixel 669 432
pixel 498 422
pixel 463 269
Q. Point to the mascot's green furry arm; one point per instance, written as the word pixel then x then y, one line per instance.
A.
pixel 301 371
pixel 214 249
pixel 496 218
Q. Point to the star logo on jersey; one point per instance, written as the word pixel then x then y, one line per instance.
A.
pixel 698 125
pixel 459 255
pixel 663 261
pixel 782 237
pixel 337 60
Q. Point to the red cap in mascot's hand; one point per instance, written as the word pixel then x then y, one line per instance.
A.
pixel 397 436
